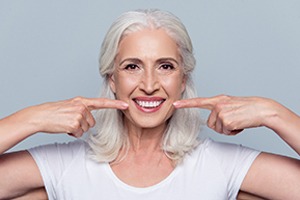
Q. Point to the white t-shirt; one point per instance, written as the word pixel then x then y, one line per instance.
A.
pixel 213 171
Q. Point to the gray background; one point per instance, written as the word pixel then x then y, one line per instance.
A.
pixel 49 52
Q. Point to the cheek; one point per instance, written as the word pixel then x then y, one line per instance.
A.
pixel 174 87
pixel 125 86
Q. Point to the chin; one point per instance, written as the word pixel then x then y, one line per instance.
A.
pixel 146 122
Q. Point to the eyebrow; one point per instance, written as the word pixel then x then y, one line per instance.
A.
pixel 134 60
pixel 167 59
pixel 137 60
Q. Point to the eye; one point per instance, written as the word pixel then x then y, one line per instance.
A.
pixel 131 67
pixel 167 66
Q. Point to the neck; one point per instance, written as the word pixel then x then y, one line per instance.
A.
pixel 145 139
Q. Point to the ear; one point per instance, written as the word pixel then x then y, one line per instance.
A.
pixel 183 85
pixel 112 85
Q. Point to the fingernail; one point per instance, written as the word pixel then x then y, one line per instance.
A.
pixel 124 105
pixel 176 104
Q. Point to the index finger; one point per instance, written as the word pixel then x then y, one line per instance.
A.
pixel 200 102
pixel 100 103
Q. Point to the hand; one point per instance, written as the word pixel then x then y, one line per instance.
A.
pixel 71 116
pixel 231 115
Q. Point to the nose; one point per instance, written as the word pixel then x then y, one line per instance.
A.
pixel 149 82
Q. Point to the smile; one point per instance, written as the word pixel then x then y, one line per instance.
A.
pixel 149 104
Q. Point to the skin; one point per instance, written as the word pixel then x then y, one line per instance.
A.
pixel 19 174
pixel 147 74
pixel 36 194
pixel 143 70
pixel 148 68
pixel 270 176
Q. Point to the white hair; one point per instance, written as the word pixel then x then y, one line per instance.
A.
pixel 181 135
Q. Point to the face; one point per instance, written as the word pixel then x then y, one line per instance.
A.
pixel 148 76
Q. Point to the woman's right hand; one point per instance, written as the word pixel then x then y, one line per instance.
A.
pixel 71 116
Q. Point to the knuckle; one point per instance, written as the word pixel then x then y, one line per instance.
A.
pixel 78 105
pixel 86 128
pixel 77 134
pixel 226 131
pixel 221 115
pixel 78 117
pixel 81 109
pixel 78 98
pixel 218 129
pixel 229 125
pixel 74 126
pixel 92 122
pixel 210 125
pixel 224 97
pixel 219 107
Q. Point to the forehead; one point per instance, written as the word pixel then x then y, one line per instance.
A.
pixel 152 43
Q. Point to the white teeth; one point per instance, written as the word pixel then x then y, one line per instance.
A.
pixel 148 104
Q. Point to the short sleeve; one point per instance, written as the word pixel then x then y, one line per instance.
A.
pixel 235 161
pixel 54 159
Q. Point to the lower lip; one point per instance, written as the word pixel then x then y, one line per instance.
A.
pixel 148 110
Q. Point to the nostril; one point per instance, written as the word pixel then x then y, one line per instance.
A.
pixel 149 82
pixel 149 87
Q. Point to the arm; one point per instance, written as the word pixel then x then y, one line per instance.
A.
pixel 285 123
pixel 231 115
pixel 273 177
pixel 270 176
pixel 39 193
pixel 19 175
pixel 70 116
pixel 246 196
pixel 18 171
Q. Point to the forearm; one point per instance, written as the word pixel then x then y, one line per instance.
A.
pixel 71 116
pixel 287 125
pixel 15 128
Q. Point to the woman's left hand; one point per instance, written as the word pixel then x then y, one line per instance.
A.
pixel 231 115
pixel 270 176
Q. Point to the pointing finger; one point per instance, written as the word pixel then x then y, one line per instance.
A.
pixel 206 103
pixel 99 103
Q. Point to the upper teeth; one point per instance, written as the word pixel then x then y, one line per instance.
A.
pixel 148 104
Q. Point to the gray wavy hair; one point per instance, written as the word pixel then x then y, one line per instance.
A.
pixel 181 135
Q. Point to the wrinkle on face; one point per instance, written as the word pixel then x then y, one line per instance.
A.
pixel 148 64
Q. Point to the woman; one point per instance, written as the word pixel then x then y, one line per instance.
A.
pixel 146 145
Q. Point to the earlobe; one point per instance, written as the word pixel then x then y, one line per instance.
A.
pixel 111 80
pixel 183 85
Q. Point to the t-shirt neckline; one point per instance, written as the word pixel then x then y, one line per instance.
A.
pixel 121 183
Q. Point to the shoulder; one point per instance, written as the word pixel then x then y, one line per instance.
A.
pixel 60 152
pixel 68 146
pixel 59 162
pixel 216 148
pixel 227 156
pixel 223 162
